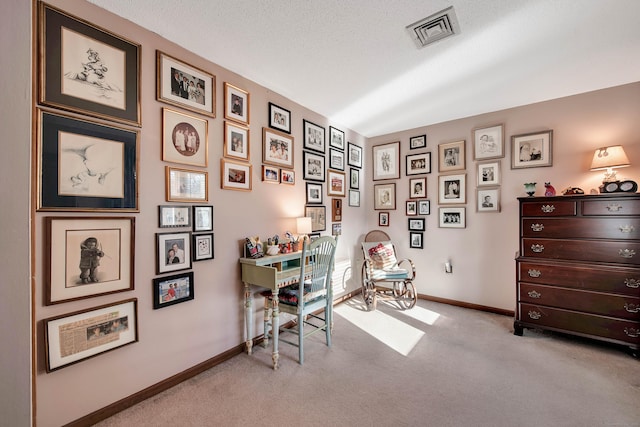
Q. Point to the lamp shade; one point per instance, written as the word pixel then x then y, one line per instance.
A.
pixel 303 225
pixel 609 157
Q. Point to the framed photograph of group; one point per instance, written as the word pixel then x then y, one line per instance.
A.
pixel 184 185
pixel 236 104
pixel 314 137
pixel 279 118
pixel 87 69
pixel 173 252
pixel 416 224
pixel 86 257
pixel 277 148
pixel 450 217
pixel 184 85
pixel 85 166
pixel 270 174
pixel 532 150
pixel 74 337
pixel 184 138
pixel 171 290
pixel 417 164
pixel 386 161
pixel 313 166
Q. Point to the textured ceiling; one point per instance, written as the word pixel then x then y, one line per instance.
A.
pixel 354 62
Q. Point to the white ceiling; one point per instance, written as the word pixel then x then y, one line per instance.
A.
pixel 353 61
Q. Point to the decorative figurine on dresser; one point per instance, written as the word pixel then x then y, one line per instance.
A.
pixel 578 270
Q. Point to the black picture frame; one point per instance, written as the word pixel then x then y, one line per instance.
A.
pixel 416 224
pixel 202 218
pixel 75 77
pixel 313 166
pixel 202 246
pixel 416 240
pixel 184 284
pixel 354 178
pixel 314 193
pixel 354 155
pixel 85 166
pixel 279 118
pixel 336 159
pixel 336 138
pixel 417 164
pixel 314 137
pixel 416 142
pixel 318 215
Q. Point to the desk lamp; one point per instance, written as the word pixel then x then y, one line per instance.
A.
pixel 303 227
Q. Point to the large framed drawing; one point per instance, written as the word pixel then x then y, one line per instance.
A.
pixel 185 185
pixel 236 141
pixel 173 290
pixel 77 336
pixel 236 104
pixel 318 215
pixel 85 166
pixel 87 69
pixel 313 166
pixel 532 150
pixel 184 138
pixel 386 161
pixel 86 257
pixel 185 86
pixel 277 148
pixel 314 137
pixel 488 142
pixel 173 252
pixel 451 156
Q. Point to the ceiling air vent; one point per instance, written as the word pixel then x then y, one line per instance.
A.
pixel 435 27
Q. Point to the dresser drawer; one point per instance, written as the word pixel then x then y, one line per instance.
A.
pixel 582 323
pixel 611 207
pixel 620 280
pixel 621 252
pixel 549 208
pixel 579 227
pixel 587 301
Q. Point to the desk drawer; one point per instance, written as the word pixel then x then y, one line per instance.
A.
pixel 586 228
pixel 620 252
pixel 586 324
pixel 614 207
pixel 587 301
pixel 549 208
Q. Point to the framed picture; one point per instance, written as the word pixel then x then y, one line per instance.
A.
pixel 452 189
pixel 277 148
pixel 336 183
pixel 532 150
pixel 87 69
pixel 314 193
pixel 85 166
pixel 279 118
pixel 185 185
pixel 354 155
pixel 488 173
pixel 336 138
pixel 318 215
pixel 236 141
pixel 236 104
pixel 336 210
pixel 417 188
pixel 451 156
pixel 452 217
pixel 174 216
pixel 313 166
pixel 417 164
pixel 235 175
pixel 415 240
pixel 336 229
pixel 74 337
pixel 202 218
pixel 416 142
pixel 287 177
pixel 184 138
pixel 314 137
pixel 384 196
pixel 386 161
pixel 383 219
pixel 202 246
pixel 411 208
pixel 171 290
pixel 354 198
pixel 424 207
pixel 416 224
pixel 354 179
pixel 336 159
pixel 270 174
pixel 488 199
pixel 488 142
pixel 86 257
pixel 173 252
pixel 185 86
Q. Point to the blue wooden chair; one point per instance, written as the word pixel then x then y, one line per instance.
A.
pixel 311 296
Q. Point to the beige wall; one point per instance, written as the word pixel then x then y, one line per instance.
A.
pixel 176 338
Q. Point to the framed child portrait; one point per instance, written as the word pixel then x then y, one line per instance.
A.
pixel 236 104
pixel 236 141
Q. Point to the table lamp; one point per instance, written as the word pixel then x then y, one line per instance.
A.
pixel 303 227
pixel 609 159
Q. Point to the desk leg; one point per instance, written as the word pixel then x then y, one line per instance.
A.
pixel 248 314
pixel 275 328
pixel 267 321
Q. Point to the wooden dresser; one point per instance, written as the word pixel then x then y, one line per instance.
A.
pixel 578 270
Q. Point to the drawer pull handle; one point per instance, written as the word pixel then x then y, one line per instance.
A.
pixel 614 207
pixel 627 229
pixel 632 283
pixel 534 294
pixel 537 227
pixel 548 208
pixel 626 253
pixel 536 273
pixel 535 315
pixel 632 332
pixel 632 308
pixel 539 248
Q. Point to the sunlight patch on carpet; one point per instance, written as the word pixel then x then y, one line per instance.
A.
pixel 390 331
pixel 422 314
